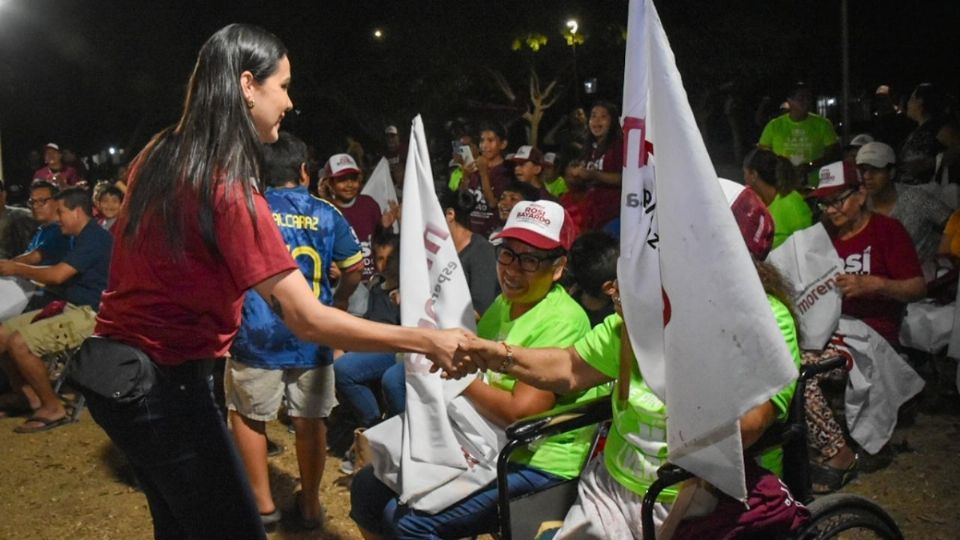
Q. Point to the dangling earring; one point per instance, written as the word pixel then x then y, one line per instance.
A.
pixel 251 103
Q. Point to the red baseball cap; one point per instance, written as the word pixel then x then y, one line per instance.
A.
pixel 542 224
pixel 836 177
pixel 753 217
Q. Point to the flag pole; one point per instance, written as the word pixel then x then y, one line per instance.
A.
pixel 626 365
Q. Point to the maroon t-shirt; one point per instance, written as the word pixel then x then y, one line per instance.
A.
pixel 485 218
pixel 883 248
pixel 188 307
pixel 64 178
pixel 363 214
pixel 604 199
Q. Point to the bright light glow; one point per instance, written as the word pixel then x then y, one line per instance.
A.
pixel 112 150
pixel 377 34
pixel 573 25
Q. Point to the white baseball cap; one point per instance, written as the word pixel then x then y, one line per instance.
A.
pixel 876 154
pixel 542 224
pixel 391 130
pixel 860 140
pixel 340 165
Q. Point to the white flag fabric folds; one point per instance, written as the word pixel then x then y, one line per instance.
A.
pixel 700 325
pixel 14 296
pixel 442 446
pixel 809 262
pixel 380 187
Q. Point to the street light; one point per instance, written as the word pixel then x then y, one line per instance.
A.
pixel 378 34
pixel 572 39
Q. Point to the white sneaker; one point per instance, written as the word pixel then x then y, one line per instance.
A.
pixel 346 465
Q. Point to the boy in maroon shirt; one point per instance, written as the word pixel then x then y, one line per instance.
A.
pixel 486 177
pixel 341 185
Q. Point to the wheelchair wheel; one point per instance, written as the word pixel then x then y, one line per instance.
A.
pixel 846 516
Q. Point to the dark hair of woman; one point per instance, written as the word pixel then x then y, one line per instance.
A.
pixel 214 142
pixel 934 102
pixel 462 203
pixel 614 134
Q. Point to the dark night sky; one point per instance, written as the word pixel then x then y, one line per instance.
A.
pixel 89 74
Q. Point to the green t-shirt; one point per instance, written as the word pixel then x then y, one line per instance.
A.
pixel 790 214
pixel 637 443
pixel 556 321
pixel 557 187
pixel 455 177
pixel 800 142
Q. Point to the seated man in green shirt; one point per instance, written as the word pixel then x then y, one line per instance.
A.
pixel 636 446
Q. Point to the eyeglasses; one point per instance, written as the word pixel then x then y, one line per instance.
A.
pixel 38 202
pixel 528 261
pixel 836 204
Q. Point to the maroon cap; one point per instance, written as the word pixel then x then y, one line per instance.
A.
pixel 755 221
pixel 527 153
pixel 835 178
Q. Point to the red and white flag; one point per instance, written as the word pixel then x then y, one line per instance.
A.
pixel 700 325
pixel 441 449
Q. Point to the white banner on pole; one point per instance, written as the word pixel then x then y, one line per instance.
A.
pixel 699 321
pixel 444 449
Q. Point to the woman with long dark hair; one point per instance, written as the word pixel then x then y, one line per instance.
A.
pixel 600 167
pixel 194 236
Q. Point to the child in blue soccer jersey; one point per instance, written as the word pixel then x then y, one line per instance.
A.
pixel 268 361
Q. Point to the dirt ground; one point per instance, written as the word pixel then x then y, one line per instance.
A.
pixel 71 483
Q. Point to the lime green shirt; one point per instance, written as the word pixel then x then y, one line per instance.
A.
pixel 557 187
pixel 455 177
pixel 637 443
pixel 556 321
pixel 790 214
pixel 800 142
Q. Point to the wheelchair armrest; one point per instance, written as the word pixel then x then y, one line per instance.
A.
pixel 667 475
pixel 520 433
pixel 559 421
pixel 808 371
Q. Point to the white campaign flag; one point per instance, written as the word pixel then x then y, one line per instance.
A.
pixel 440 450
pixel 380 187
pixel 700 325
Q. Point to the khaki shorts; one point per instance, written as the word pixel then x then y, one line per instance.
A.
pixel 57 333
pixel 256 393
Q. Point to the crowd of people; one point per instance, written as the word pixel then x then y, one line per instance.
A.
pixel 223 250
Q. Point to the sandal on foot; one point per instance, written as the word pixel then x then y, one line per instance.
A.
pixel 826 479
pixel 272 518
pixel 302 521
pixel 46 424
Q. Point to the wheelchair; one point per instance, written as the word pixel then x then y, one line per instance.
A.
pixel 838 515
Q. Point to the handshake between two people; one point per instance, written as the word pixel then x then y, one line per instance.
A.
pixel 458 353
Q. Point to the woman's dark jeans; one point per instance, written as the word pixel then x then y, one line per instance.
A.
pixel 183 457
